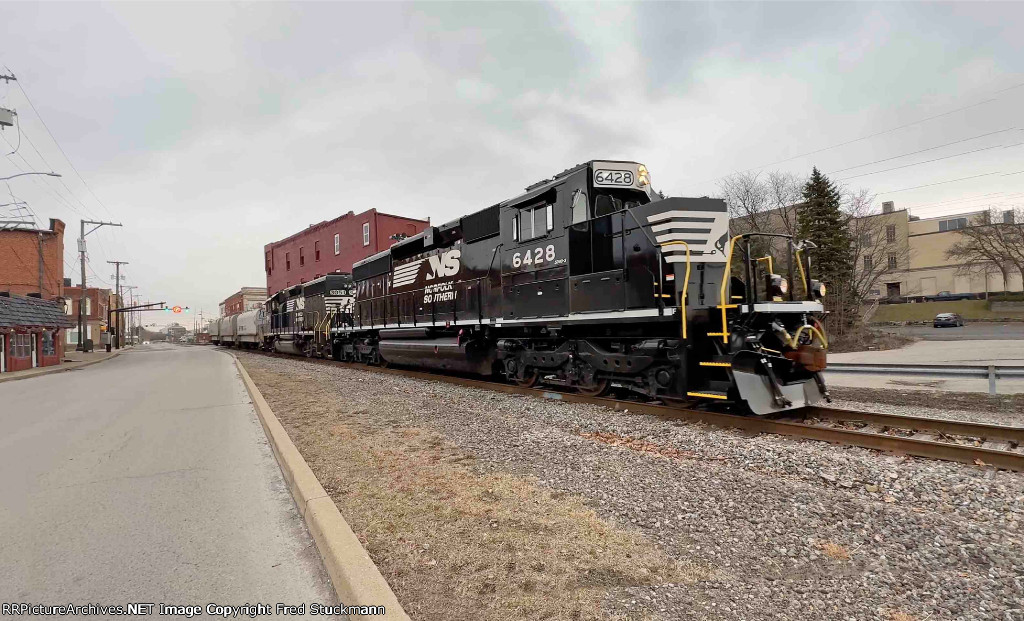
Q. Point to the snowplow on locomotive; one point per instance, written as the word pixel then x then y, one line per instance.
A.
pixel 588 280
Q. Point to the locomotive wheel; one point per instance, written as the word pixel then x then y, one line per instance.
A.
pixel 596 389
pixel 529 379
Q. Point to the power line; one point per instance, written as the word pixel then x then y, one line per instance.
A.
pixel 896 157
pixel 938 159
pixel 54 139
pixel 928 185
pixel 874 135
pixel 957 200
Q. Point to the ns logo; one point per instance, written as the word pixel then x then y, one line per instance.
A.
pixel 444 264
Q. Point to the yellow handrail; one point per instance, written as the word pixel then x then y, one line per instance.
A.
pixel 795 342
pixel 686 280
pixel 771 269
pixel 725 285
pixel 803 274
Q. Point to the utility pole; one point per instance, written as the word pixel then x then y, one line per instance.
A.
pixel 120 302
pixel 131 314
pixel 81 301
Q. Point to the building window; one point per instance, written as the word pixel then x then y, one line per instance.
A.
pixel 49 347
pixel 366 233
pixel 868 264
pixel 88 306
pixel 865 239
pixel 890 233
pixel 21 345
pixel 316 251
pixel 953 224
pixel 287 261
pixel 876 292
pixel 270 264
pixel 302 257
pixel 893 262
pixel 337 244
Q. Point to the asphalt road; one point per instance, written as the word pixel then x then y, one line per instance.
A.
pixel 980 331
pixel 147 478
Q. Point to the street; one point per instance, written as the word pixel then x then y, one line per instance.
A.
pixel 973 331
pixel 147 478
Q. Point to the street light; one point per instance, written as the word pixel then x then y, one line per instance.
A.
pixel 48 174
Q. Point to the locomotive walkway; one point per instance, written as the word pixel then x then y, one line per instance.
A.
pixel 147 478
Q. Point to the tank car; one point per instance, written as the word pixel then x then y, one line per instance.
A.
pixel 588 280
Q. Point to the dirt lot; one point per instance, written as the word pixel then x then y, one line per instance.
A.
pixel 482 505
pixel 453 542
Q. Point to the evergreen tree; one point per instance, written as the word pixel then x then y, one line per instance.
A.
pixel 821 220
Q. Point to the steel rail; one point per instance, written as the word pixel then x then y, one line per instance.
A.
pixel 918 447
pixel 937 425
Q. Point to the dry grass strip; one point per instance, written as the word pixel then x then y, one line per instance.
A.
pixel 455 544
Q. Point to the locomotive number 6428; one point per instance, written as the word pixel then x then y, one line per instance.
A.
pixel 534 257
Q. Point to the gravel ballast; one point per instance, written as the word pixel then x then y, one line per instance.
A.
pixel 790 528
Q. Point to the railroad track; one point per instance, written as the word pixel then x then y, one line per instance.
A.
pixel 999 446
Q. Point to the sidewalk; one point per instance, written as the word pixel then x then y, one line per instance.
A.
pixel 965 353
pixel 72 360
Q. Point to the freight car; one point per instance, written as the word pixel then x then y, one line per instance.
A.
pixel 243 330
pixel 588 280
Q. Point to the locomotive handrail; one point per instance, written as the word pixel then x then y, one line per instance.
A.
pixel 686 280
pixel 722 293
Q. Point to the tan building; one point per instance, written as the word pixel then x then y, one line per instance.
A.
pixel 921 245
pixel 245 299
pixel 899 255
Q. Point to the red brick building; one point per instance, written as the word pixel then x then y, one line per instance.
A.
pixel 32 260
pixel 94 316
pixel 246 298
pixel 332 246
pixel 30 332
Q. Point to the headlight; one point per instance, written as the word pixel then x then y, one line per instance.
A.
pixel 777 285
pixel 642 176
pixel 818 288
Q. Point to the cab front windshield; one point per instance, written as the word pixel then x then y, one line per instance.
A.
pixel 609 201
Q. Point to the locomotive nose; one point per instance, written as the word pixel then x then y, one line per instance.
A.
pixel 702 224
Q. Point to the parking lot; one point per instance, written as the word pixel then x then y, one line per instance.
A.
pixel 973 331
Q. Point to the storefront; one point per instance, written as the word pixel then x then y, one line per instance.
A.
pixel 30 332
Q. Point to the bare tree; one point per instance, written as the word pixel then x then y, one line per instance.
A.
pixel 990 242
pixel 784 193
pixel 764 203
pixel 879 245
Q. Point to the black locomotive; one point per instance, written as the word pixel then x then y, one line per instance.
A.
pixel 588 280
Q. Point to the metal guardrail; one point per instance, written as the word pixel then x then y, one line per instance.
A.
pixel 992 371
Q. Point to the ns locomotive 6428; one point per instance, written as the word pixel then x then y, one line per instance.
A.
pixel 587 280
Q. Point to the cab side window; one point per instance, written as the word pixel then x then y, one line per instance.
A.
pixel 579 207
pixel 533 222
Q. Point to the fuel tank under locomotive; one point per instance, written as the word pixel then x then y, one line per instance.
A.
pixel 418 347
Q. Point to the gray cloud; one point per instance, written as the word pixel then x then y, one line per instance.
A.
pixel 211 129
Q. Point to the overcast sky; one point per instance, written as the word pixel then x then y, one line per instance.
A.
pixel 212 129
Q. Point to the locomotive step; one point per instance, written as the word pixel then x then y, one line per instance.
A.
pixel 708 394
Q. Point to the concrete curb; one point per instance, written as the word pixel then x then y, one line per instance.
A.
pixel 356 580
pixel 59 368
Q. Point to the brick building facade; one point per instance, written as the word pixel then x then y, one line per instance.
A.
pixel 246 298
pixel 30 332
pixel 97 303
pixel 332 246
pixel 32 260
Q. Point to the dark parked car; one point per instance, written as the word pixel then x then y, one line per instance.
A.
pixel 951 320
pixel 944 296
